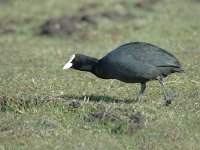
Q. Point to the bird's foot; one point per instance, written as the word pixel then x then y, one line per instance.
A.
pixel 168 100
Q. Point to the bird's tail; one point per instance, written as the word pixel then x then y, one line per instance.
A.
pixel 170 69
pixel 179 70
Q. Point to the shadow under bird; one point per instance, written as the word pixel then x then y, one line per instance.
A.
pixel 135 62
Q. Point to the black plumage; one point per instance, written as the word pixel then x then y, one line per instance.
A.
pixel 135 62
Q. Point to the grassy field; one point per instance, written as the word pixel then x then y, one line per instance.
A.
pixel 44 107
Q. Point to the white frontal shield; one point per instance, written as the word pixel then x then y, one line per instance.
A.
pixel 69 63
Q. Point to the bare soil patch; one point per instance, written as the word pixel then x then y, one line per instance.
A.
pixel 137 121
pixel 101 116
pixel 67 25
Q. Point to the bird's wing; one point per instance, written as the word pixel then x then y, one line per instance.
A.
pixel 126 67
pixel 147 53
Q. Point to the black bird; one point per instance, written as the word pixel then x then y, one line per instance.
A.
pixel 135 62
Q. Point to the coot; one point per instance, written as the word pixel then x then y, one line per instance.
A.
pixel 135 62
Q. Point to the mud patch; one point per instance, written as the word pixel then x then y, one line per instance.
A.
pixel 74 105
pixel 146 4
pixel 84 22
pixel 3 102
pixel 67 25
pixel 13 103
pixel 137 121
pixel 101 116
pixel 124 121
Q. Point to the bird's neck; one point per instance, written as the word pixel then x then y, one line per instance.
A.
pixel 97 70
pixel 89 65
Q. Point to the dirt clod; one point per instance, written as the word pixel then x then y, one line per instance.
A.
pixel 137 121
pixel 67 25
pixel 84 22
pixel 74 104
pixel 12 102
pixel 3 102
pixel 101 116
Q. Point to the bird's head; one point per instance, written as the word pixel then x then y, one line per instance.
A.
pixel 80 62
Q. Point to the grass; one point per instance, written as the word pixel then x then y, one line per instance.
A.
pixel 36 114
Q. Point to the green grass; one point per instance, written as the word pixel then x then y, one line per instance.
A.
pixel 38 91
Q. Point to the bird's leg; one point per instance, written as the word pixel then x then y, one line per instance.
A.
pixel 167 100
pixel 143 87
